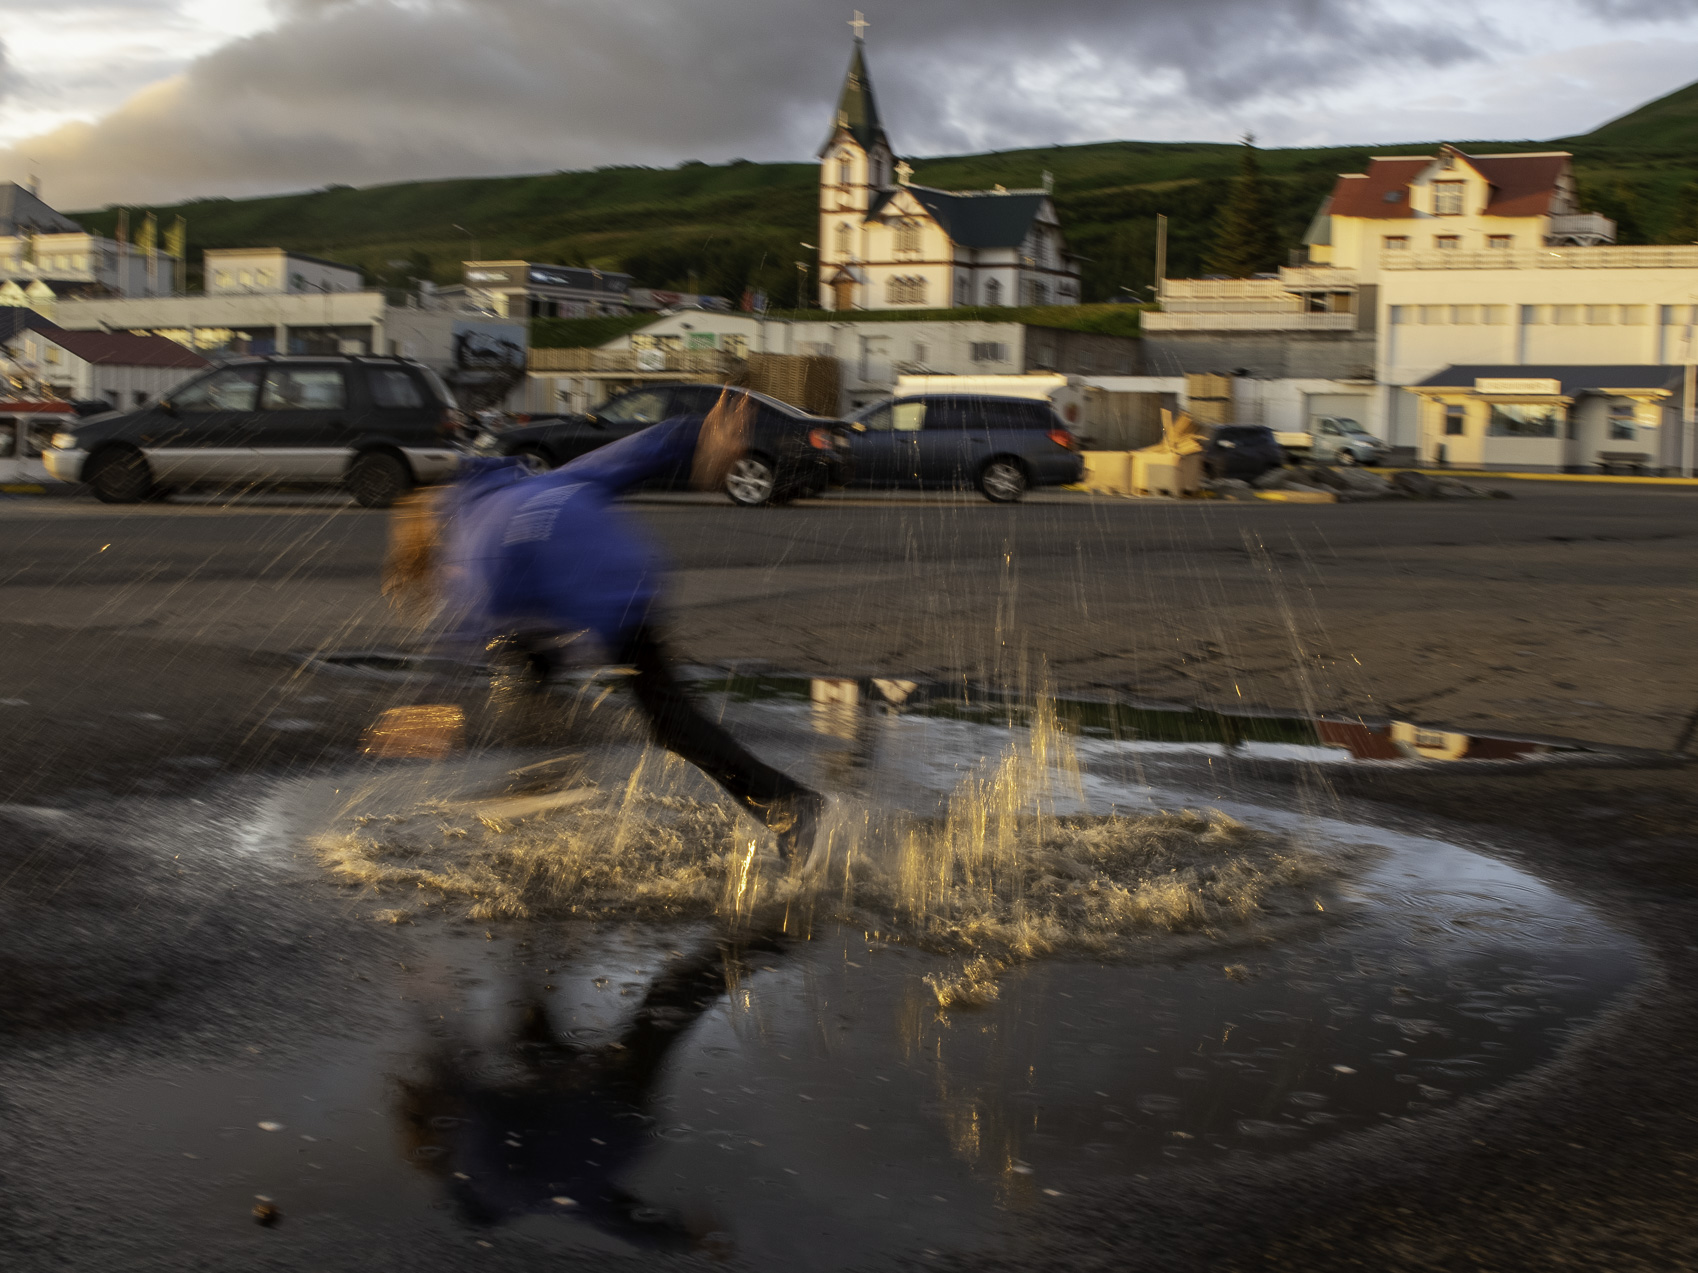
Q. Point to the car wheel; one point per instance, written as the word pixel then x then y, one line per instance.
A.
pixel 377 480
pixel 535 459
pixel 121 477
pixel 1002 482
pixel 1347 458
pixel 751 482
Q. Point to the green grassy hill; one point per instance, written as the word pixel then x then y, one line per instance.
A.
pixel 723 227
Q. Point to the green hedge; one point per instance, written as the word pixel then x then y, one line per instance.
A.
pixel 584 333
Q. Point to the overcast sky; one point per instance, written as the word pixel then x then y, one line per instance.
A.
pixel 151 100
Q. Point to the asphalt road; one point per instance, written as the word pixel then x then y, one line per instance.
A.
pixel 149 655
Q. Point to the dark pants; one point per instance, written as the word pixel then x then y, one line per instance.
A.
pixel 681 728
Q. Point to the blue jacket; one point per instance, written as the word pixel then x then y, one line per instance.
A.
pixel 551 553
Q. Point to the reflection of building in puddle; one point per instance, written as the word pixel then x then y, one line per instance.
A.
pixel 841 710
pixel 1401 740
pixel 984 1127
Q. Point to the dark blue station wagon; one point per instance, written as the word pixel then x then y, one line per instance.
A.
pixel 940 441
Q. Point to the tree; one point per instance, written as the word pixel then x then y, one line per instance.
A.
pixel 1247 237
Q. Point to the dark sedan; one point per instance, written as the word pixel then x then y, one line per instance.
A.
pixel 1243 451
pixel 791 453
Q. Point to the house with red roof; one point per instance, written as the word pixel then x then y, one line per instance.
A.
pixel 1452 202
pixel 121 368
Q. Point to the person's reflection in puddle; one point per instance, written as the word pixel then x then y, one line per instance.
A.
pixel 554 1125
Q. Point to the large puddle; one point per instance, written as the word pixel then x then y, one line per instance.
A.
pixel 783 1074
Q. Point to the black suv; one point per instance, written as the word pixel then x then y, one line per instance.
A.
pixel 374 425
pixel 791 453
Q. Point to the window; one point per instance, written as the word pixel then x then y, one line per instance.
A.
pixel 1465 315
pixel 233 389
pixel 1515 420
pixel 922 351
pixel 1400 315
pixel 1036 292
pixel 1600 315
pixel 1447 198
pixel 1500 242
pixel 989 351
pixel 304 389
pixel 843 239
pixel 646 407
pixel 907 417
pixel 963 290
pixel 907 236
pixel 1395 243
pixel 1565 315
pixel 905 290
pixel 393 388
pixel 1435 315
pixel 993 295
pixel 845 171
pixel 1494 315
pixel 1621 421
pixel 1676 315
pixel 1455 418
pixel 879 421
pixel 1632 316
pixel 1447 242
pixel 1533 315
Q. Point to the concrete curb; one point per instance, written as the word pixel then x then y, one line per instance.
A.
pixel 1507 476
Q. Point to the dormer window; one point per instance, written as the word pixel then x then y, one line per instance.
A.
pixel 1447 198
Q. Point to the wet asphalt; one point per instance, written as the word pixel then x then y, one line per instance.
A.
pixel 149 657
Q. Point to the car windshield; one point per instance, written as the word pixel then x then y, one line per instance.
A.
pixel 1350 426
pixel 645 407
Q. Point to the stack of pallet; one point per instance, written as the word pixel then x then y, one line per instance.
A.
pixel 1209 398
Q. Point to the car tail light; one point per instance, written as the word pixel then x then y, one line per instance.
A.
pixel 1061 437
pixel 821 440
pixel 454 423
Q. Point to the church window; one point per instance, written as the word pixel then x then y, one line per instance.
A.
pixel 963 290
pixel 993 292
pixel 845 170
pixel 907 236
pixel 843 239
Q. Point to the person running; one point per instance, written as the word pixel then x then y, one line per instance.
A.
pixel 514 562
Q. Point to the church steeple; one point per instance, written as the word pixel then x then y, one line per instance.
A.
pixel 857 111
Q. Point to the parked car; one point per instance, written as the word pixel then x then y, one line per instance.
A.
pixel 374 425
pixel 791 453
pixel 1334 440
pixel 1001 446
pixel 1243 451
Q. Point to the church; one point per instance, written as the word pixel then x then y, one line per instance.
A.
pixel 886 243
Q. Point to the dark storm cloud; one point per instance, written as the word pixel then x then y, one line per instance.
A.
pixel 363 91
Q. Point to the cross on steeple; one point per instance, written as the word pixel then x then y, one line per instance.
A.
pixel 860 25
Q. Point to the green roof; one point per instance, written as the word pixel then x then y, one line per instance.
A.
pixel 985 219
pixel 856 109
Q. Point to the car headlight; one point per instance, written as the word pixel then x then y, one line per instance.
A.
pixel 64 442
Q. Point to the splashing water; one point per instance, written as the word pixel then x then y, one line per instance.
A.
pixel 1001 877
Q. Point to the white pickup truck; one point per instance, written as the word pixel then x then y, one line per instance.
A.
pixel 1333 439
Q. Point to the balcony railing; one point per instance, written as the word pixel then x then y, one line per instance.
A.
pixel 1239 321
pixel 1672 257
pixel 1317 278
pixel 1582 225
pixel 634 361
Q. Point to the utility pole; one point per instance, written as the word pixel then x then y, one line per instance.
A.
pixel 1688 415
pixel 1161 256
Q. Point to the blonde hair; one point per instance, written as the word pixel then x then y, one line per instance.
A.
pixel 415 547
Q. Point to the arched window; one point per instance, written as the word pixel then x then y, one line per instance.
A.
pixel 905 290
pixel 844 238
pixel 845 170
pixel 963 290
pixel 907 235
pixel 993 292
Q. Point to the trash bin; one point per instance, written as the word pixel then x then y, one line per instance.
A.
pixel 1108 472
pixel 1164 473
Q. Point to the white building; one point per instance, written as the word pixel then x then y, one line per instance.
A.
pixel 45 255
pixel 524 289
pixel 886 243
pixel 116 367
pixel 264 271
